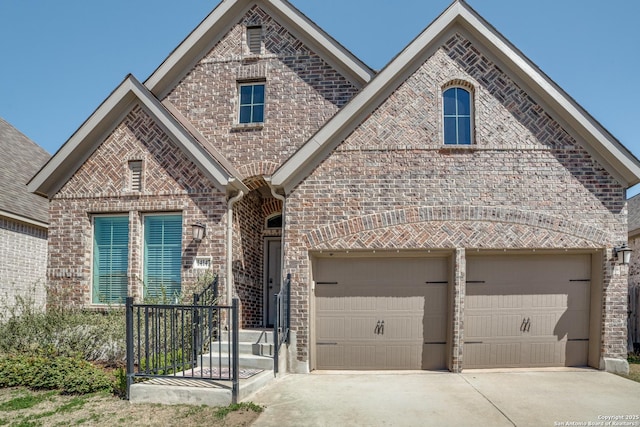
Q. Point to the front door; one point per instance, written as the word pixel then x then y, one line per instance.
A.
pixel 272 277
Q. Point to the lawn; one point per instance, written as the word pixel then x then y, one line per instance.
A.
pixel 21 407
pixel 634 369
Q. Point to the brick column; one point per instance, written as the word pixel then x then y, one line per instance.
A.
pixel 459 290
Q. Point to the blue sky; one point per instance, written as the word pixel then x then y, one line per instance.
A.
pixel 60 59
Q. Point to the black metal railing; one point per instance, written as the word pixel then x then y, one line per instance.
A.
pixel 207 331
pixel 209 295
pixel 283 320
pixel 163 342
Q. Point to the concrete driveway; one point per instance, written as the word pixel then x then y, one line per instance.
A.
pixel 559 397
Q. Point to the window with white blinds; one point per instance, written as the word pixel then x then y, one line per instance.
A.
pixel 110 259
pixel 162 256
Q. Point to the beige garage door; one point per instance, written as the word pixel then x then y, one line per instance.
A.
pixel 380 313
pixel 527 311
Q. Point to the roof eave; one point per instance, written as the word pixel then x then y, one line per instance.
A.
pixel 101 123
pixel 204 37
pixel 618 161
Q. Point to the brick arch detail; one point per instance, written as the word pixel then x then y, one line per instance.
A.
pixel 258 168
pixel 456 226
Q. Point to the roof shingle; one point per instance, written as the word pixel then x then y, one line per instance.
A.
pixel 20 159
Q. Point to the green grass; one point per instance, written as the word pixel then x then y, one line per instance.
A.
pixel 224 411
pixel 24 402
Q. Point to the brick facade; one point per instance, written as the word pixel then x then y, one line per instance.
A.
pixel 23 251
pixel 524 183
pixel 302 92
pixel 171 183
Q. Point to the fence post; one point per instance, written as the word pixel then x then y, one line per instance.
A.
pixel 196 333
pixel 276 337
pixel 235 350
pixel 129 344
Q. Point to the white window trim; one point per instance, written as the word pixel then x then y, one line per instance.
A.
pixel 472 114
pixel 264 104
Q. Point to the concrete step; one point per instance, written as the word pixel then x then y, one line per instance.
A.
pixel 251 335
pixel 260 349
pixel 176 391
pixel 246 360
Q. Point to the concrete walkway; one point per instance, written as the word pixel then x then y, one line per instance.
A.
pixel 560 397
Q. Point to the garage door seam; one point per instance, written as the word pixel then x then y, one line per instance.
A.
pixel 488 400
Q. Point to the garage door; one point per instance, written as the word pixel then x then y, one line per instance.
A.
pixel 380 313
pixel 527 311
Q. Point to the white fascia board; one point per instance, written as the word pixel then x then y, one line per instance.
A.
pixel 179 134
pixel 603 146
pixel 165 76
pixel 24 219
pixel 292 172
pixel 345 61
pixel 110 114
pixel 220 21
pixel 607 149
pixel 65 162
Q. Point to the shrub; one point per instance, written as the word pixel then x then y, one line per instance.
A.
pixel 69 375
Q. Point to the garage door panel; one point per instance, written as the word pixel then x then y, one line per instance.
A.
pixel 536 304
pixel 331 328
pixel 477 326
pixel 507 354
pixel 333 356
pixel 410 295
pixel 577 352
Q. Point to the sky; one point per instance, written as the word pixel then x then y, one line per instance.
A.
pixel 60 59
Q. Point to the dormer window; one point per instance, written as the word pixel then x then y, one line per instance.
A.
pixel 457 116
pixel 254 40
pixel 251 103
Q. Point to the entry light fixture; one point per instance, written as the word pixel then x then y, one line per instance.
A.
pixel 198 231
pixel 622 254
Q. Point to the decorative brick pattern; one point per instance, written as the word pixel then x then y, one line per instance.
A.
pixel 23 251
pixel 172 183
pixel 525 183
pixel 302 93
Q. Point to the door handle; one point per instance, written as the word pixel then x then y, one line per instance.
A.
pixel 376 331
pixel 528 324
pixel 523 324
pixel 382 328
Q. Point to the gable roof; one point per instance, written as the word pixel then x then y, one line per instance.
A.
pixel 48 181
pixel 20 159
pixel 225 15
pixel 460 17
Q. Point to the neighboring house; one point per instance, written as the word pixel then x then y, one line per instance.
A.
pixel 633 206
pixel 456 210
pixel 23 222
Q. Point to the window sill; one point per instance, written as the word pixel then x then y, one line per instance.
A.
pixel 458 148
pixel 239 127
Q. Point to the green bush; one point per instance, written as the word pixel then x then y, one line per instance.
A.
pixel 69 375
pixel 94 336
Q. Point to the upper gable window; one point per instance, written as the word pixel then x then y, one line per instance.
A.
pixel 457 116
pixel 251 103
pixel 254 40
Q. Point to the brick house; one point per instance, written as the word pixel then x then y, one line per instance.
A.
pixel 23 221
pixel 634 273
pixel 455 210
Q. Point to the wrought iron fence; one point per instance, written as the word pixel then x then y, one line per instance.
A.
pixel 167 341
pixel 283 320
